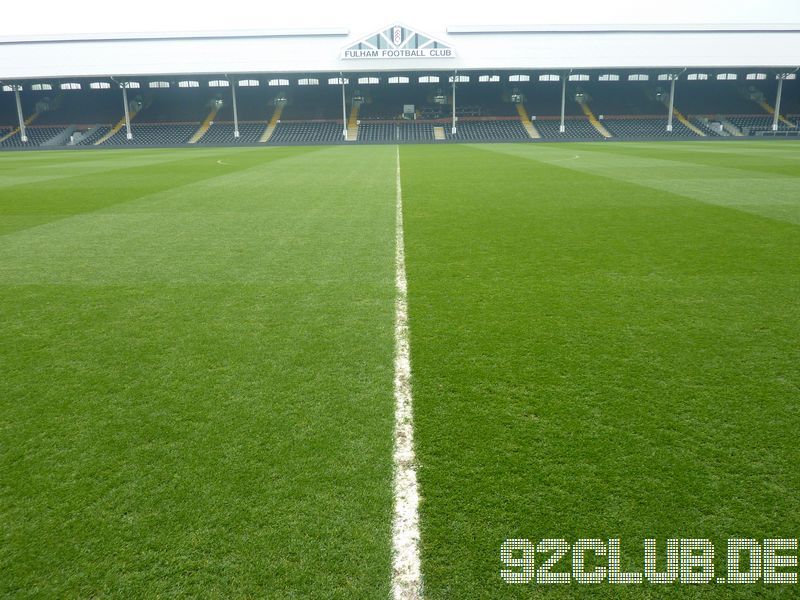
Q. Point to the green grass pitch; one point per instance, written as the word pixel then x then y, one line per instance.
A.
pixel 196 363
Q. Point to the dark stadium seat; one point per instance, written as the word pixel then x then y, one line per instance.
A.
pixel 575 128
pixel 495 130
pixel 222 133
pixel 36 134
pixel 397 131
pixel 307 132
pixel 154 134
pixel 754 124
pixel 653 127
pixel 95 136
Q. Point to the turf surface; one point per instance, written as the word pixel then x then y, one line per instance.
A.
pixel 197 367
pixel 196 354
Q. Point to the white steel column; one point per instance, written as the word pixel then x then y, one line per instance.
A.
pixel 777 114
pixel 455 76
pixel 128 133
pixel 235 111
pixel 344 109
pixel 671 102
pixel 22 135
pixel 561 127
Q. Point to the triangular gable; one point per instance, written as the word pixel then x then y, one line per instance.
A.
pixel 398 41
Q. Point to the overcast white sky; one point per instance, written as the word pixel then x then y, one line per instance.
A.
pixel 362 16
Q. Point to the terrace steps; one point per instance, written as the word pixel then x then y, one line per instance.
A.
pixel 527 123
pixel 771 110
pixel 352 123
pixel 120 124
pixel 204 126
pixel 593 120
pixel 15 131
pixel 691 126
pixel 273 122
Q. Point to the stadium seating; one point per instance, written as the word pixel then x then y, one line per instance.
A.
pixel 313 113
pixel 154 134
pixel 754 124
pixel 95 136
pixel 36 134
pixel 307 132
pixel 575 128
pixel 222 133
pixel 395 132
pixel 703 125
pixel 654 127
pixel 494 130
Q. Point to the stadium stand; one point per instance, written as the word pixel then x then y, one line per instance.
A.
pixel 400 131
pixel 713 98
pixel 37 135
pixel 252 104
pixel 623 98
pixel 575 128
pixel 386 102
pixel 644 127
pixel 707 126
pixel 305 132
pixel 154 134
pixel 94 136
pixel 222 133
pixel 8 111
pixel 754 124
pixel 76 108
pixel 174 106
pixel 489 130
pixel 282 111
pixel 544 99
pixel 313 103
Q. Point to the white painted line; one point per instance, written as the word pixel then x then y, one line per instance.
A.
pixel 406 573
pixel 219 162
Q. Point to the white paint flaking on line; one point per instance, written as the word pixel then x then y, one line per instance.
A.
pixel 406 572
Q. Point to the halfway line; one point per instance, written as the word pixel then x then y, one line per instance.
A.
pixel 406 574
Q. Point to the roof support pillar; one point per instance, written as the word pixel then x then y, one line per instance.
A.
pixel 344 109
pixel 455 76
pixel 235 110
pixel 22 134
pixel 561 127
pixel 671 101
pixel 128 133
pixel 777 114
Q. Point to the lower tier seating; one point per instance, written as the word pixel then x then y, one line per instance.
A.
pixel 372 131
pixel 36 136
pixel 753 124
pixel 154 134
pixel 646 128
pixel 222 133
pixel 703 125
pixel 95 136
pixel 574 128
pixel 511 129
pixel 294 132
